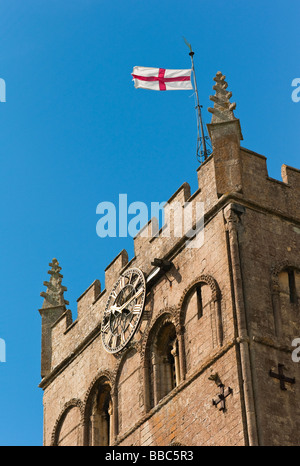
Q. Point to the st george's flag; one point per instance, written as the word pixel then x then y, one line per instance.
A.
pixel 160 79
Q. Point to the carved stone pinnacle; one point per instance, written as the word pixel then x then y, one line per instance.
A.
pixel 54 295
pixel 223 108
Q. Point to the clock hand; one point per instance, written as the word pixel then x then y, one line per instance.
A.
pixel 115 309
pixel 124 319
pixel 120 309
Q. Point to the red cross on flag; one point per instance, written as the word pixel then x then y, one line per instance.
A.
pixel 160 79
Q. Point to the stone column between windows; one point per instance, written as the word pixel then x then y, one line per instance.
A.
pixel 155 365
pixel 115 419
pixel 146 387
pixel 180 338
pixel 110 412
pixel 174 352
pixel 93 422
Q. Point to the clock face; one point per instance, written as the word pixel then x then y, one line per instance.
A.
pixel 123 310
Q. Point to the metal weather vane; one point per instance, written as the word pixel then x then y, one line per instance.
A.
pixel 202 139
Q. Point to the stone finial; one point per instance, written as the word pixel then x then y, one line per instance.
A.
pixel 54 296
pixel 223 109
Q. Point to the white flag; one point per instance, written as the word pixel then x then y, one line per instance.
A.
pixel 160 79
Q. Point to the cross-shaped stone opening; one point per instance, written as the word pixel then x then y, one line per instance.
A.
pixel 220 400
pixel 281 377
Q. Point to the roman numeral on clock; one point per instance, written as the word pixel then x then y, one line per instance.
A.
pixel 113 294
pixel 105 328
pixel 122 282
pixel 114 341
pixel 135 283
pixel 137 309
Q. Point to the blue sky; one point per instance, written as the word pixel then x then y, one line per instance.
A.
pixel 74 132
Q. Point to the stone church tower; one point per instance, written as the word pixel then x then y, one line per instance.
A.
pixel 187 345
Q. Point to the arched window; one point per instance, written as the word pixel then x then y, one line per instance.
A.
pixel 198 298
pixel 286 299
pixel 289 281
pixel 164 370
pixel 68 427
pixel 201 319
pixel 100 421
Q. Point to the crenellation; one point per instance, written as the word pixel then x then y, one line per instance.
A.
pixel 150 232
pixel 113 269
pixel 291 176
pixel 143 238
pixel 67 336
pixel 65 320
pixel 260 188
pixel 88 297
pixel 182 194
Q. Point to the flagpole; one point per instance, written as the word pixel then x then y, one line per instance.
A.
pixel 198 107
